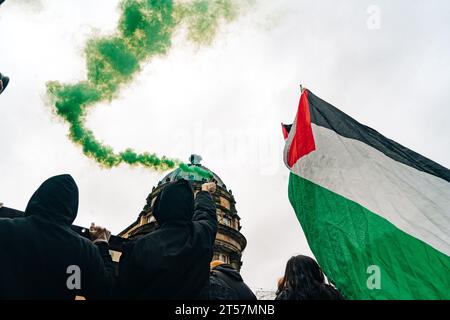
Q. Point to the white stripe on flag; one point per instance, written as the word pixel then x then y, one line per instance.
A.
pixel 415 202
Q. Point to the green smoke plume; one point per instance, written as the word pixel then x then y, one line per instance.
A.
pixel 145 31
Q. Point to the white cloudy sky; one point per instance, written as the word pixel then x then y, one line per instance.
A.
pixel 224 101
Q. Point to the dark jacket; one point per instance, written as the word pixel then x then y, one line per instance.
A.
pixel 10 213
pixel 321 292
pixel 172 262
pixel 36 251
pixel 227 284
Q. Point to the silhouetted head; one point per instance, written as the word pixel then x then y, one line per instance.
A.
pixel 302 274
pixel 304 280
pixel 55 200
pixel 174 203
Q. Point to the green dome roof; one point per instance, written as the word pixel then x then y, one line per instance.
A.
pixel 195 172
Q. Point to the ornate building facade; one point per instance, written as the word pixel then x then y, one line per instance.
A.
pixel 229 244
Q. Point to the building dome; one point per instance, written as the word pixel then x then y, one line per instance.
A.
pixel 230 243
pixel 194 173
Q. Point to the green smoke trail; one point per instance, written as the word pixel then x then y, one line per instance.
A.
pixel 145 31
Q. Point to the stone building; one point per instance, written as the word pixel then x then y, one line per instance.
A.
pixel 229 244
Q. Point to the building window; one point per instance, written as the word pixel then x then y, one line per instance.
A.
pixel 224 203
pixel 226 221
pixel 224 258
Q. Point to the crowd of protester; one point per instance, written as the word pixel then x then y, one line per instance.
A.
pixel 40 253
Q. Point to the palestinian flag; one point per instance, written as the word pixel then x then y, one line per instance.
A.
pixel 376 214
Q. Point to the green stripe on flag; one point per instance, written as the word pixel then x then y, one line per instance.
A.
pixel 347 239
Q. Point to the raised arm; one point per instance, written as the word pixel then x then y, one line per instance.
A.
pixel 205 210
pixel 101 278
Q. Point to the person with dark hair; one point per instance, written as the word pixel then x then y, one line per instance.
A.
pixel 42 258
pixel 172 262
pixel 3 81
pixel 304 280
pixel 227 284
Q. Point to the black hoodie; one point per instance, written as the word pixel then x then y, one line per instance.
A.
pixel 173 261
pixel 38 250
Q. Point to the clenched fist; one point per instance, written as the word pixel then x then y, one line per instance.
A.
pixel 99 234
pixel 209 186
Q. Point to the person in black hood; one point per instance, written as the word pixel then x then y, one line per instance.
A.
pixel 40 254
pixel 172 262
pixel 227 284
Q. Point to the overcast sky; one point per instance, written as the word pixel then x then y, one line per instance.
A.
pixel 224 101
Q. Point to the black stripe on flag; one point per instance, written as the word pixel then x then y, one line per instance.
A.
pixel 325 115
pixel 287 127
